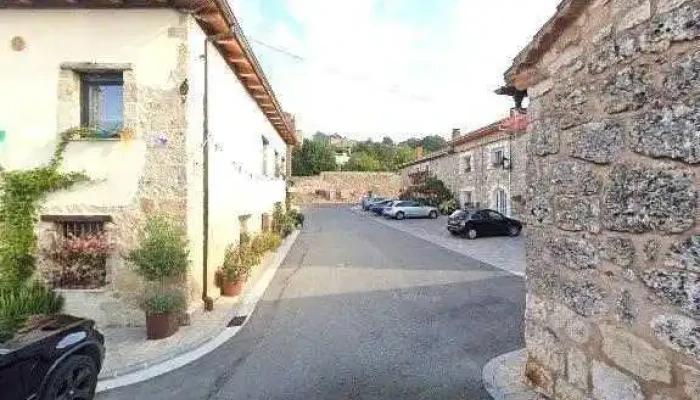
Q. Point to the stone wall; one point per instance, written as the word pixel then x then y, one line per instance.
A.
pixel 344 187
pixel 613 272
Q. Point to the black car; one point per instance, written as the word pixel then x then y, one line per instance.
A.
pixel 60 357
pixel 475 223
pixel 369 202
pixel 378 208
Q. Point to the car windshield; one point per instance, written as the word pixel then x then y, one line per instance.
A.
pixel 459 214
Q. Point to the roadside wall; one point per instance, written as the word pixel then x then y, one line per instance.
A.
pixel 612 244
pixel 344 187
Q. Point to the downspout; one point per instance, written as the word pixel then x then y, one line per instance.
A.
pixel 509 205
pixel 208 301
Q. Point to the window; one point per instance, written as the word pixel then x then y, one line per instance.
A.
pixel 481 215
pixel 77 257
pixel 80 228
pixel 497 156
pixel 466 164
pixel 500 201
pixel 466 198
pixel 102 103
pixel 277 165
pixel 265 146
pixel 495 216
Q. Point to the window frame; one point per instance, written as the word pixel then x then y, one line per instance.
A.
pixel 89 79
pixel 498 161
pixel 465 166
pixel 265 148
pixel 463 195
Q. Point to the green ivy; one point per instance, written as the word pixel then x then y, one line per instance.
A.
pixel 21 194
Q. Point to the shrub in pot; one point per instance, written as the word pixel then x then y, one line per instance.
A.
pixel 232 275
pixel 162 259
pixel 162 309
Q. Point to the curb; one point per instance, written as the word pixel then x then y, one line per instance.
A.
pixel 358 211
pixel 502 377
pixel 246 307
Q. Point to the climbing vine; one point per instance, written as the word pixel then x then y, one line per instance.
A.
pixel 21 193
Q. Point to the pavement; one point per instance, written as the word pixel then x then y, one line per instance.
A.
pixel 503 252
pixel 504 378
pixel 360 310
pixel 129 351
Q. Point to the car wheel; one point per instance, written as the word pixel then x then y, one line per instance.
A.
pixel 73 379
pixel 513 231
pixel 400 215
pixel 433 214
pixel 471 233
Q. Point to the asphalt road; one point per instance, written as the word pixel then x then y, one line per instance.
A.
pixel 359 310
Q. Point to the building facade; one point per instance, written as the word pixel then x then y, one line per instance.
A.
pixel 613 283
pixel 484 168
pixel 164 102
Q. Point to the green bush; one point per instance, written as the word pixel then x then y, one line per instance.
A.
pixel 448 207
pixel 162 303
pixel 270 241
pixel 289 225
pixel 278 217
pixel 258 245
pixel 297 217
pixel 162 251
pixel 21 302
pixel 238 260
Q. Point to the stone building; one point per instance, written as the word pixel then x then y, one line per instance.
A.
pixel 484 168
pixel 612 240
pixel 160 87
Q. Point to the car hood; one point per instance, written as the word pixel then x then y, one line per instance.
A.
pixel 38 329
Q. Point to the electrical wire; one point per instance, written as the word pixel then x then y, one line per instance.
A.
pixel 394 89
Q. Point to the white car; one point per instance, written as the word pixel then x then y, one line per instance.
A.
pixel 410 209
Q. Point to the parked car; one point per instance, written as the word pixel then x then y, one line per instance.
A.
pixel 378 208
pixel 476 223
pixel 371 201
pixel 410 209
pixel 59 358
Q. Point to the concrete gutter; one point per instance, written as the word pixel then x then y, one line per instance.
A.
pixel 245 307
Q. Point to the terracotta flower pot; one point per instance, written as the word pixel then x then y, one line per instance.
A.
pixel 160 326
pixel 232 288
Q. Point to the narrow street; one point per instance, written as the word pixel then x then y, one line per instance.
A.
pixel 360 310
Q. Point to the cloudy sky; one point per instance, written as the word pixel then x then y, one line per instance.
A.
pixel 402 68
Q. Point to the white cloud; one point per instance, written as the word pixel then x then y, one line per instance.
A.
pixel 444 68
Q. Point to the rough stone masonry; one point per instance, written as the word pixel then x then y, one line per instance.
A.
pixel 613 239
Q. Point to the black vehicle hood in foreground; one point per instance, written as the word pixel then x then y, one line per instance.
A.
pixel 41 333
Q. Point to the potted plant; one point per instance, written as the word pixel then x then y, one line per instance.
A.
pixel 162 259
pixel 233 274
pixel 162 311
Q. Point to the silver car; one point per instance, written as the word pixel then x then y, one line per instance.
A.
pixel 410 209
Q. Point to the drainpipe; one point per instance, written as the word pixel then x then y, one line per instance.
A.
pixel 208 301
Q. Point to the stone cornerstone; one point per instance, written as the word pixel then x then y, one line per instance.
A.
pixel 612 243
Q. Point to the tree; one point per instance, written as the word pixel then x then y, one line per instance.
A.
pixel 403 155
pixel 387 141
pixel 312 158
pixel 362 161
pixel 428 143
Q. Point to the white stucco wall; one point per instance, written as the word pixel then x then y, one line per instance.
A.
pixel 29 92
pixel 236 127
